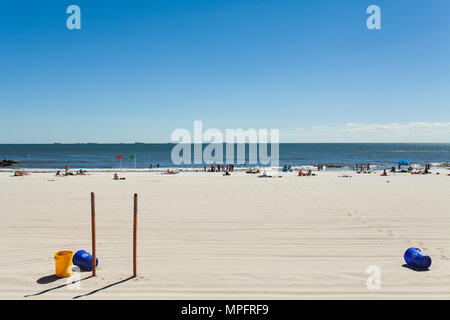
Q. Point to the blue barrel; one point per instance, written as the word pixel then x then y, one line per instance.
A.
pixel 416 258
pixel 83 259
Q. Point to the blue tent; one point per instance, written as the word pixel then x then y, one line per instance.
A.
pixel 403 162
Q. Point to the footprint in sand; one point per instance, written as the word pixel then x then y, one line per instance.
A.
pixel 442 254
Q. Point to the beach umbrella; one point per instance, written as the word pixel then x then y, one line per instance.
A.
pixel 403 162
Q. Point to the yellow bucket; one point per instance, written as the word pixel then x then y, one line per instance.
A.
pixel 63 263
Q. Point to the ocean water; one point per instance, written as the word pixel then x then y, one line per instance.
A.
pixel 103 156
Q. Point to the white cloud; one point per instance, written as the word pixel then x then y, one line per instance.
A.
pixel 375 132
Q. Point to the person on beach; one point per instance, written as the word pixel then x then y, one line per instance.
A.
pixel 19 173
pixel 384 173
pixel 169 172
pixel 264 175
pixel 67 170
pixel 116 177
pixel 58 173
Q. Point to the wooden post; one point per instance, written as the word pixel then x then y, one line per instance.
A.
pixel 135 235
pixel 94 253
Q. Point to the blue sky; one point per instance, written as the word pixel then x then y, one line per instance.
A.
pixel 137 70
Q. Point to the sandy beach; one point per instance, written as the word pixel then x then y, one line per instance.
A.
pixel 206 236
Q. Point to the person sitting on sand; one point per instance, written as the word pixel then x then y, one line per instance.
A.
pixel 58 173
pixel 227 173
pixel 301 173
pixel 384 173
pixel 116 177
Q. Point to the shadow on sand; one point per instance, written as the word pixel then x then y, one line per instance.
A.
pixel 49 279
pixel 106 287
pixel 407 266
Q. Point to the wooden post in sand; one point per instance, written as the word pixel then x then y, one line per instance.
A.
pixel 94 255
pixel 135 235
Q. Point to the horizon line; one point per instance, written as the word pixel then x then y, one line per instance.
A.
pixel 138 143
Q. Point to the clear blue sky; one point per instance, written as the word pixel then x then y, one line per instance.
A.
pixel 137 70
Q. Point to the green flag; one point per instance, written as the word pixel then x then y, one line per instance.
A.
pixel 132 156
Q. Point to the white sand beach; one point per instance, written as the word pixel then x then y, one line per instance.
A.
pixel 206 236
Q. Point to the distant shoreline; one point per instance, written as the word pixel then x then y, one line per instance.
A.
pixel 201 169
